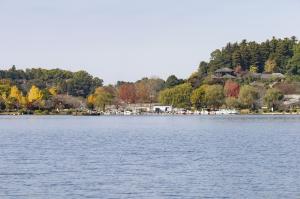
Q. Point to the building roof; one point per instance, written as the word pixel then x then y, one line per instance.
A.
pixel 254 75
pixel 224 70
pixel 273 75
pixel 278 75
pixel 228 76
pixel 265 76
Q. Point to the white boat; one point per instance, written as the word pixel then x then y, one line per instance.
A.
pixel 128 113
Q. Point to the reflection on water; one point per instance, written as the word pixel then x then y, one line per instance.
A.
pixel 149 157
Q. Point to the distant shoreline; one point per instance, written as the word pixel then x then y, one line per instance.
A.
pixel 147 114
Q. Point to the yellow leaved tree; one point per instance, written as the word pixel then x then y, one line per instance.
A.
pixel 34 94
pixel 270 66
pixel 15 93
pixel 53 91
pixel 24 101
pixel 16 97
pixel 100 98
pixel 91 99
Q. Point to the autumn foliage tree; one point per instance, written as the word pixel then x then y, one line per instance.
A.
pixel 16 97
pixel 142 92
pixel 270 66
pixel 127 93
pixel 35 97
pixel 147 89
pixel 34 94
pixel 100 98
pixel 253 69
pixel 53 91
pixel 231 89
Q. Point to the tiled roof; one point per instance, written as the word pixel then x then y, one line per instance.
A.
pixel 224 70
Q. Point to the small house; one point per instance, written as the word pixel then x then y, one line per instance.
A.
pixel 224 73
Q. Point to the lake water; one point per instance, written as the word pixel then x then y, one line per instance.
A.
pixel 67 157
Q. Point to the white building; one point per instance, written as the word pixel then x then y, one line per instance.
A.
pixel 163 109
pixel 291 99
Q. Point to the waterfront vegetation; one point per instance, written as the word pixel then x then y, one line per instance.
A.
pixel 247 76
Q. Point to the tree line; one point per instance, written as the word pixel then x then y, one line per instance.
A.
pixel 275 55
pixel 56 89
pixel 78 83
pixel 232 95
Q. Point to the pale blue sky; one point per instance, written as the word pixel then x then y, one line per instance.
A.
pixel 130 39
